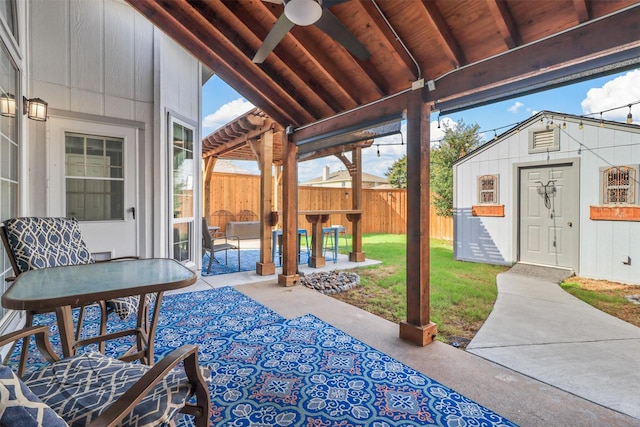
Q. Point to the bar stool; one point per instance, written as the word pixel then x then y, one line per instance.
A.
pixel 330 241
pixel 276 243
pixel 341 230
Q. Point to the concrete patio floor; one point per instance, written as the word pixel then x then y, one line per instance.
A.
pixel 522 399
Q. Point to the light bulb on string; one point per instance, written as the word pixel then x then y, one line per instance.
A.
pixel 580 125
pixel 601 121
pixel 629 116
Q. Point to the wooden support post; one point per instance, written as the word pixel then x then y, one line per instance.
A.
pixel 317 258
pixel 356 255
pixel 418 328
pixel 289 276
pixel 266 266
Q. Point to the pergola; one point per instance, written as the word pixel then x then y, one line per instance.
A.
pixel 255 136
pixel 419 56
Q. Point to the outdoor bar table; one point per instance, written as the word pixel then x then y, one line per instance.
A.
pixel 316 218
pixel 61 288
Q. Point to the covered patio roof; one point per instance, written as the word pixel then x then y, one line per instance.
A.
pixel 364 63
pixel 463 49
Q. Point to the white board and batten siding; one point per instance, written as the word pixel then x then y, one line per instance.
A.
pixel 100 61
pixel 603 246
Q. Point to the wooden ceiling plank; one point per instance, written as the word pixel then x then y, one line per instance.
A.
pixel 582 10
pixel 223 16
pixel 578 53
pixel 290 60
pixel 309 45
pixel 252 91
pixel 183 11
pixel 505 23
pixel 446 37
pixel 389 40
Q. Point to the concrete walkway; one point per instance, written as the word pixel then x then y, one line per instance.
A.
pixel 541 331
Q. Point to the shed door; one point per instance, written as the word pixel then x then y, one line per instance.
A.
pixel 549 215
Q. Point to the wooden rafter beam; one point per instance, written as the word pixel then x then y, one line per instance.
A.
pixel 447 40
pixel 310 48
pixel 237 31
pixel 179 20
pixel 287 59
pixel 599 47
pixel 387 38
pixel 582 10
pixel 161 18
pixel 505 23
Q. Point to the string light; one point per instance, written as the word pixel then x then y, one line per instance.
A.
pixel 550 124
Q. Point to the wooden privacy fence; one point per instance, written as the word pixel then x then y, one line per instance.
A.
pixel 234 197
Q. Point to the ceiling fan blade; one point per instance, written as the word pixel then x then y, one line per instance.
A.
pixel 334 28
pixel 277 33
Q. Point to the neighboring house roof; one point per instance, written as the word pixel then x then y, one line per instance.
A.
pixel 342 176
pixel 227 166
pixel 546 116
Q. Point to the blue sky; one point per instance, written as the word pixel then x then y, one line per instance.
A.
pixel 222 104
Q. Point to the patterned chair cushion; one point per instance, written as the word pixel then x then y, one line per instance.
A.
pixel 125 306
pixel 63 386
pixel 41 242
pixel 46 242
pixel 20 407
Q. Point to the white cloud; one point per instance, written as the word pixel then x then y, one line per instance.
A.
pixel 615 93
pixel 225 114
pixel 515 107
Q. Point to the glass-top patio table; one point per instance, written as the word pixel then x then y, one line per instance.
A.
pixel 61 288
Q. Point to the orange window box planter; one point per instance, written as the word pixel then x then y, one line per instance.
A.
pixel 487 210
pixel 615 213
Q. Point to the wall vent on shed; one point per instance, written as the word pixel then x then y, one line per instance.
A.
pixel 544 140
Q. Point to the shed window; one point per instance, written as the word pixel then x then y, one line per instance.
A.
pixel 619 185
pixel 488 189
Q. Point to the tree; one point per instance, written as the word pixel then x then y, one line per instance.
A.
pixel 458 140
pixel 397 173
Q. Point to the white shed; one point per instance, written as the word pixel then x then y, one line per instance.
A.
pixel 556 190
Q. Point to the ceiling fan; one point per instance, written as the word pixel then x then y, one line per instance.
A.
pixel 310 12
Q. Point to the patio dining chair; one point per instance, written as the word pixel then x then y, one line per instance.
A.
pixel 91 389
pixel 218 242
pixel 43 242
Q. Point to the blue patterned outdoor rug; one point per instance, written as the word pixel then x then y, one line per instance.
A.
pixel 248 260
pixel 305 372
pixel 185 318
pixel 268 371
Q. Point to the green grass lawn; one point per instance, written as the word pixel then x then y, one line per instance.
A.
pixel 462 293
